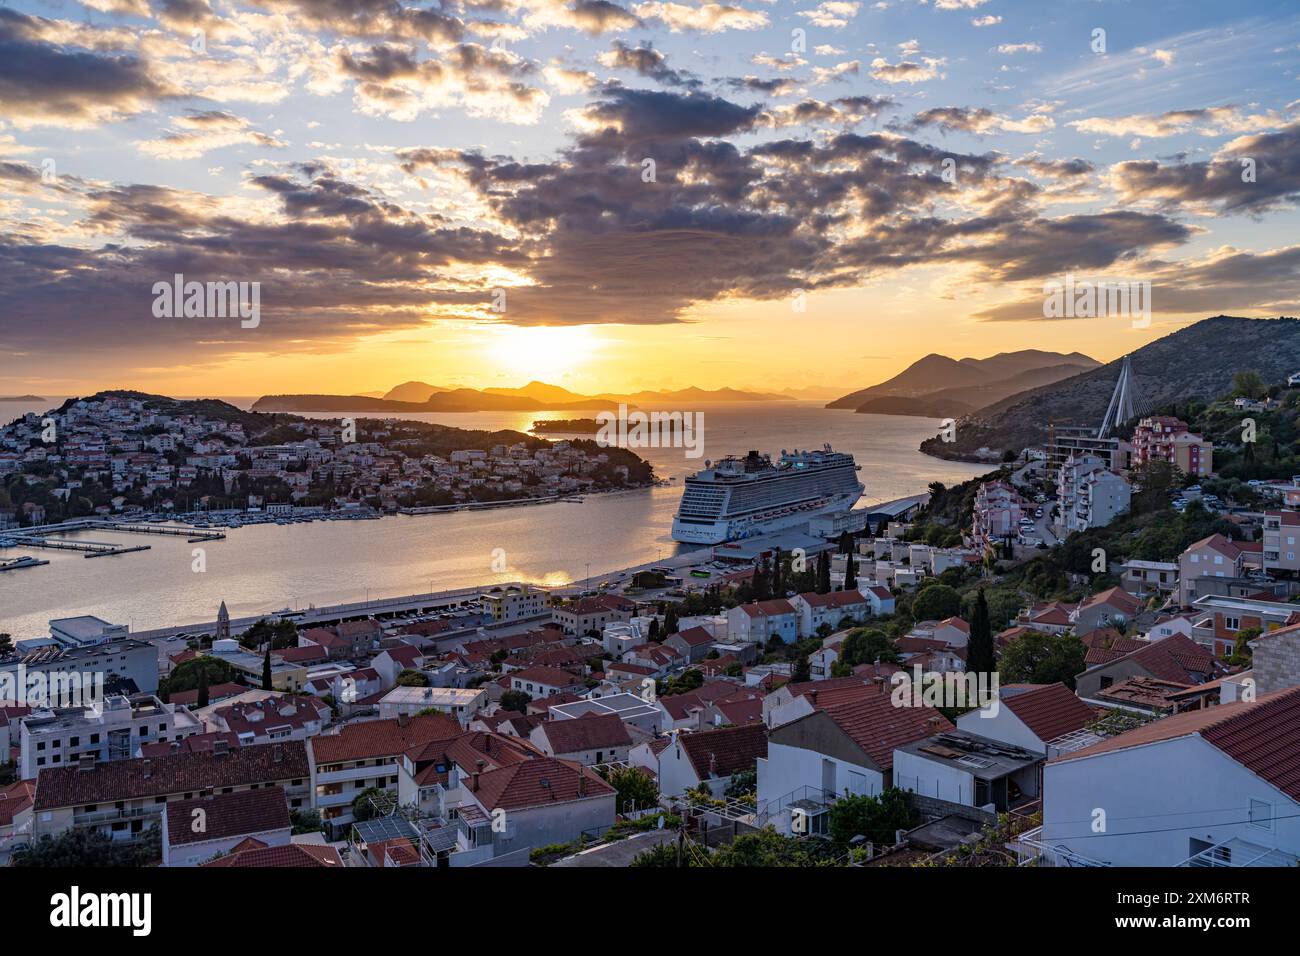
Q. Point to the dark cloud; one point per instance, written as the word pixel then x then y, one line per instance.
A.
pixel 48 83
pixel 648 62
pixel 1251 174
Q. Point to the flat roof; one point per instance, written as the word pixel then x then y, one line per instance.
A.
pixel 432 695
pixel 981 757
pixel 623 705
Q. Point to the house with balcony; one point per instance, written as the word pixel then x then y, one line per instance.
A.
pixel 965 768
pixel 831 610
pixel 1089 494
pixel 1281 541
pixel 1030 716
pixel 1146 578
pixel 123 797
pixel 836 750
pixel 364 755
pixel 1213 787
pixel 1176 658
pixel 511 810
pixel 1218 620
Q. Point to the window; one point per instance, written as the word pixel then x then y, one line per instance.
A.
pixel 1232 623
pixel 1261 814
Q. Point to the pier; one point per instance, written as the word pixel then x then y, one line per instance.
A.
pixel 44 536
pixel 92 549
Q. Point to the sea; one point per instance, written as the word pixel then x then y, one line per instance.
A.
pixel 265 568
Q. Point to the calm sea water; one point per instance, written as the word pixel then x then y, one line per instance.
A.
pixel 267 567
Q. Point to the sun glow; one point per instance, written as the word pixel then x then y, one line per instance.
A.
pixel 544 353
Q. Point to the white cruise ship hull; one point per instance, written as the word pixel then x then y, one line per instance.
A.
pixel 724 529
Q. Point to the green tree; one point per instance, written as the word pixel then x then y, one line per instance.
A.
pixel 1036 658
pixel 876 818
pixel 409 677
pixel 824 572
pixel 850 573
pixel 802 672
pixel 515 700
pixel 636 789
pixel 936 602
pixel 979 649
pixel 1247 384
pixel 363 807
pixel 203 687
pixel 865 646
pixel 266 670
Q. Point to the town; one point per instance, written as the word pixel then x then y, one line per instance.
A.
pixel 1123 601
pixel 141 456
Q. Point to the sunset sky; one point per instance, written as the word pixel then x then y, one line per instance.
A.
pixel 380 167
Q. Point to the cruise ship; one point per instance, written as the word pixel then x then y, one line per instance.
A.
pixel 741 497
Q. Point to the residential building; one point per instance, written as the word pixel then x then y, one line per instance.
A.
pixel 1145 578
pixel 1212 557
pixel 274 717
pixel 1176 658
pixel 1089 494
pixel 197 831
pixel 710 758
pixel 760 621
pixel 127 659
pixel 1113 607
pixel 1275 660
pixel 122 797
pixel 832 610
pixel 462 703
pixel 1217 620
pixel 514 603
pixel 1031 716
pixel 1281 540
pixel 965 768
pixel 542 681
pixel 115 729
pixel 997 512
pixel 1210 787
pixel 1163 438
pixel 589 740
pixel 589 615
pixel 539 803
pixel 364 755
pixel 838 750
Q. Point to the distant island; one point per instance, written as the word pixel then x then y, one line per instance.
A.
pixel 533 397
pixel 567 426
pixel 182 456
pixel 21 398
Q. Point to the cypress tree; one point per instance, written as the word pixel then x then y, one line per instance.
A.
pixel 824 573
pixel 778 576
pixel 850 573
pixel 203 684
pixel 266 670
pixel 979 651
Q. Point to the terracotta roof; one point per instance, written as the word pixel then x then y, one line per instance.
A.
pixel 1175 658
pixel 297 655
pixel 199 743
pixel 227 815
pixel 957 623
pixel 188 698
pixel 14 799
pixel 1049 711
pixel 1260 735
pixel 877 726
pixel 695 636
pixel 550 676
pixel 741 712
pixel 597 732
pixel 1114 597
pixel 834 599
pixel 721 753
pixel 382 738
pixel 406 655
pixel 174 773
pixel 1216 542
pixel 768 608
pixel 537 783
pixel 297 855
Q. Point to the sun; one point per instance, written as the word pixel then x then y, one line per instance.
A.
pixel 541 353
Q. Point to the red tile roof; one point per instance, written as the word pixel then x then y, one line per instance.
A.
pixel 199 743
pixel 227 815
pixel 877 726
pixel 721 753
pixel 296 855
pixel 14 799
pixel 300 655
pixel 596 732
pixel 537 783
pixel 549 676
pixel 382 738
pixel 1260 735
pixel 1049 711
pixel 188 698
pixel 695 636
pixel 768 608
pixel 1176 658
pixel 174 773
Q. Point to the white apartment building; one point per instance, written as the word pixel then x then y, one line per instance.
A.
pixel 514 603
pixel 1089 495
pixel 114 729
